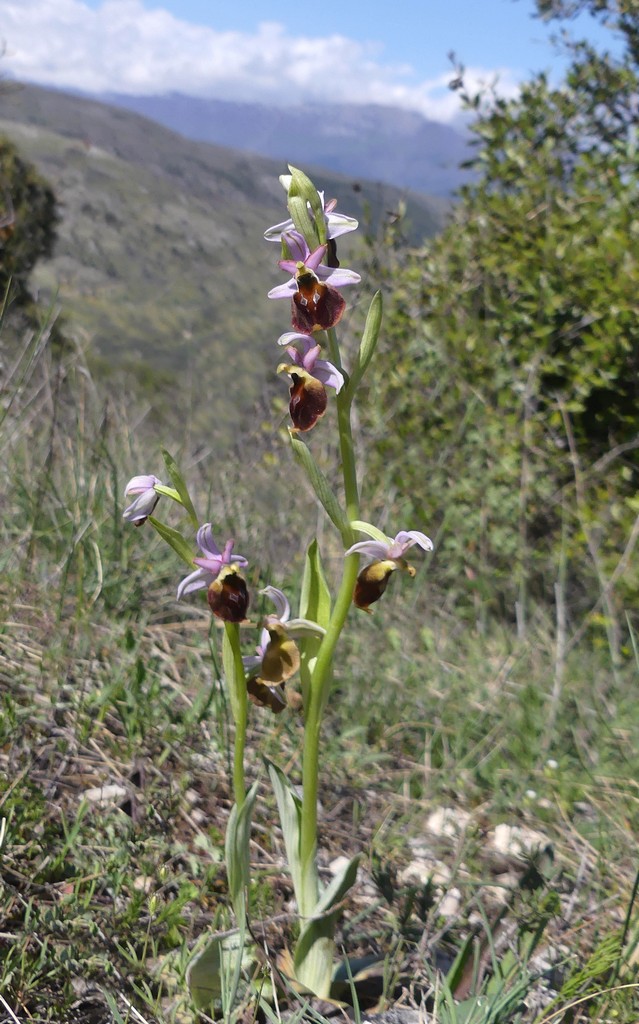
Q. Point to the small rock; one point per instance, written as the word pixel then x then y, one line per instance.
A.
pixel 338 865
pixel 450 904
pixel 143 883
pixel 103 795
pixel 517 841
pixel 397 1015
pixel 423 870
pixel 447 821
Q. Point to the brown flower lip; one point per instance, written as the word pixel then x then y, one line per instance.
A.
pixel 308 401
pixel 265 696
pixel 315 305
pixel 228 596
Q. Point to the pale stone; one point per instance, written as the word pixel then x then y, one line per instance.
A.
pixel 103 795
pixel 516 840
pixel 450 904
pixel 447 821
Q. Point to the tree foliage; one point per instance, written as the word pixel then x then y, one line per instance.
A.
pixel 514 402
pixel 28 218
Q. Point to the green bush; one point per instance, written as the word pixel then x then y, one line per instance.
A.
pixel 512 410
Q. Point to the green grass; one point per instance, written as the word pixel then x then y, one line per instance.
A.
pixel 105 681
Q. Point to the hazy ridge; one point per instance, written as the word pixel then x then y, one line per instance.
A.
pixel 160 265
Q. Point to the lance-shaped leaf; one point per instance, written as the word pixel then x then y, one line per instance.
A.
pixel 234 673
pixel 289 806
pixel 322 489
pixel 174 538
pixel 315 598
pixel 213 976
pixel 238 834
pixel 179 483
pixel 315 947
pixel 315 604
pixel 367 346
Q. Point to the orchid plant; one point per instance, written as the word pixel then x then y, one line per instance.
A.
pixel 305 644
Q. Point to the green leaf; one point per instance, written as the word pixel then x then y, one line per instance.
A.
pixel 315 947
pixel 315 598
pixel 341 883
pixel 322 489
pixel 289 806
pixel 175 539
pixel 178 482
pixel 213 975
pixel 370 530
pixel 238 834
pixel 315 604
pixel 234 673
pixel 368 344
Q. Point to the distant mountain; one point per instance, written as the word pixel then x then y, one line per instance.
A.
pixel 387 144
pixel 160 264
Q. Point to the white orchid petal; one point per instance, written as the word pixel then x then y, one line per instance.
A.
pixel 284 291
pixel 279 599
pixel 337 277
pixel 274 233
pixel 340 224
pixel 373 548
pixel 328 374
pixel 304 627
pixel 405 539
pixel 194 581
pixel 292 336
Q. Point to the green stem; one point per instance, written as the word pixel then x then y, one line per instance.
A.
pixel 320 683
pixel 321 677
pixel 236 682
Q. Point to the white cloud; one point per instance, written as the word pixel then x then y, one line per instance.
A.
pixel 123 47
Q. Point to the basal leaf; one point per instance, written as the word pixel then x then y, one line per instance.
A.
pixel 315 947
pixel 238 834
pixel 289 806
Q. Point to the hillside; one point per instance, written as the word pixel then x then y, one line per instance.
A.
pixel 160 265
pixel 370 141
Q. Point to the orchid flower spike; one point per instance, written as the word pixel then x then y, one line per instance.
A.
pixel 210 563
pixel 315 302
pixel 387 555
pixel 310 376
pixel 147 498
pixel 277 656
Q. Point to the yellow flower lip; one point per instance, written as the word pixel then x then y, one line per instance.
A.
pixel 372 582
pixel 281 658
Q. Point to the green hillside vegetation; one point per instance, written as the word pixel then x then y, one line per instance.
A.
pixel 159 267
pixel 518 380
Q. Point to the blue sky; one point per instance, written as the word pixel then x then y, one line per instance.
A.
pixel 350 52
